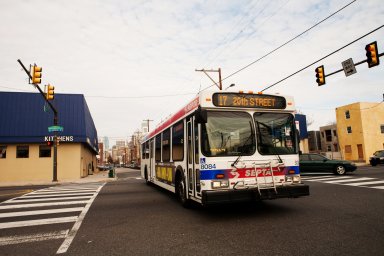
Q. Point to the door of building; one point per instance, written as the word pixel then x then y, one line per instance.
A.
pixel 360 152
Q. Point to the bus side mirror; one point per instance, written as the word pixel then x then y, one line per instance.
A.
pixel 201 116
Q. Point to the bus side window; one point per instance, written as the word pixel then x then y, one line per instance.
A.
pixel 158 148
pixel 178 142
pixel 166 145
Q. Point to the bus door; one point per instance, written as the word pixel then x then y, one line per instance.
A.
pixel 193 179
pixel 151 158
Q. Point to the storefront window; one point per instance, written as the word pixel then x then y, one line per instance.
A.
pixel 22 152
pixel 44 151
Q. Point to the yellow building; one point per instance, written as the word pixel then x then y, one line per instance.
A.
pixel 360 130
pixel 26 154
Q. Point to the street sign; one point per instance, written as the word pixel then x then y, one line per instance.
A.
pixel 55 128
pixel 349 67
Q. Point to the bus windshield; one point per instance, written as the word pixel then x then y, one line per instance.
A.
pixel 227 134
pixel 276 133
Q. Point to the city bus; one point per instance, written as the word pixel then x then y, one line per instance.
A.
pixel 226 147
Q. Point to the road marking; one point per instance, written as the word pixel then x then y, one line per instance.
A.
pixel 16 201
pixel 367 183
pixel 28 223
pixel 71 235
pixel 55 195
pixel 378 187
pixel 348 180
pixel 2 207
pixel 51 192
pixel 33 238
pixel 325 179
pixel 40 212
pixel 317 177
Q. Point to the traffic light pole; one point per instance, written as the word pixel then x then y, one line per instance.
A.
pixel 55 122
pixel 356 64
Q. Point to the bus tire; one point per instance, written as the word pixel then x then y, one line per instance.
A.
pixel 181 191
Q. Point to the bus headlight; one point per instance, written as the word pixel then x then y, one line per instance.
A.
pixel 220 184
pixel 293 179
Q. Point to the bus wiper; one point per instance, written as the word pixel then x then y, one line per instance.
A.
pixel 242 146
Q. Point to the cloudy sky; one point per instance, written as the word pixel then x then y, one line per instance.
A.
pixel 136 60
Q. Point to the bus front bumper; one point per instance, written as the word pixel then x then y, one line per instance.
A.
pixel 252 194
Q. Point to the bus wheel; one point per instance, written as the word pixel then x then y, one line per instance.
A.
pixel 181 192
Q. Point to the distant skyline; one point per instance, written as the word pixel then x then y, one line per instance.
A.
pixel 136 60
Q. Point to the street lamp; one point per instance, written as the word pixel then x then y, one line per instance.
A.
pixel 232 85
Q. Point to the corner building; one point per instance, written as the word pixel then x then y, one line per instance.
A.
pixel 360 129
pixel 24 151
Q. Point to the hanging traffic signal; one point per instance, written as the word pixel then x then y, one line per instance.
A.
pixel 372 54
pixel 50 95
pixel 320 75
pixel 36 74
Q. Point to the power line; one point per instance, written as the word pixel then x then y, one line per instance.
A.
pixel 140 97
pixel 284 44
pixel 354 41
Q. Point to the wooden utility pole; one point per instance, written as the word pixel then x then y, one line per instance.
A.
pixel 212 70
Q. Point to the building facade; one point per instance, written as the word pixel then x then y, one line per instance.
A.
pixel 360 129
pixel 329 141
pixel 25 139
pixel 314 142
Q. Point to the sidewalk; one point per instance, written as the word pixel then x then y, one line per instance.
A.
pixel 101 176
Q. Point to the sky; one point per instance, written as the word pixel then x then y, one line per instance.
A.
pixel 136 60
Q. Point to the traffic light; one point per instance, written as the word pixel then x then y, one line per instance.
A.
pixel 320 75
pixel 36 74
pixel 50 95
pixel 372 54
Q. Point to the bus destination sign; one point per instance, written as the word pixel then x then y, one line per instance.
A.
pixel 248 100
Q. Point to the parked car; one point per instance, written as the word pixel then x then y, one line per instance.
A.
pixel 319 163
pixel 377 158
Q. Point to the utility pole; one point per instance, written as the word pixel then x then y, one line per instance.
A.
pixel 147 120
pixel 212 70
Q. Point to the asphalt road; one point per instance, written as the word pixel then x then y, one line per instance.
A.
pixel 129 217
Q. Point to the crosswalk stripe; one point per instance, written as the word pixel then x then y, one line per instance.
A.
pixel 55 195
pixel 18 206
pixel 40 212
pixel 59 192
pixel 367 183
pixel 378 187
pixel 16 201
pixel 348 180
pixel 33 238
pixel 28 223
pixel 325 179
